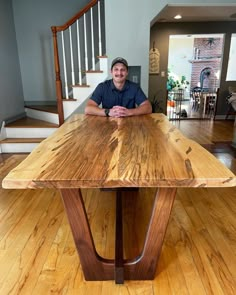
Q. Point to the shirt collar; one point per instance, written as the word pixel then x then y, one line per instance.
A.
pixel 126 86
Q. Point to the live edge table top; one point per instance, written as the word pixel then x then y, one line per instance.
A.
pixel 142 151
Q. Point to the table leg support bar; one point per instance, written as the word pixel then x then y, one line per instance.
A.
pixel 119 263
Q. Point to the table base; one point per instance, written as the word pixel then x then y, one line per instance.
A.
pixel 97 268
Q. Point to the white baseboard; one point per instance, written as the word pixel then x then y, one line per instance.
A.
pixel 41 115
pixel 18 147
pixel 29 132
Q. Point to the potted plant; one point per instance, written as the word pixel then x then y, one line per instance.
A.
pixel 173 82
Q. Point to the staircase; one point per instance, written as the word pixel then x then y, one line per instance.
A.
pixel 24 134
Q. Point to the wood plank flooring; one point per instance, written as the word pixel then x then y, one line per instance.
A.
pixel 38 256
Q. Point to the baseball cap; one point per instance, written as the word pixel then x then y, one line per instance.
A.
pixel 119 60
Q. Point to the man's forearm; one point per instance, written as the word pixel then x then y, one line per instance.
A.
pixel 143 109
pixel 94 110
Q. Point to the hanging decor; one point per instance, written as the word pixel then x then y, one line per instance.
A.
pixel 154 60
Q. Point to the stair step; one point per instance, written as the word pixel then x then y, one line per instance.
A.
pixel 28 122
pixel 69 99
pixel 21 140
pixel 45 108
pixel 80 86
pixel 94 72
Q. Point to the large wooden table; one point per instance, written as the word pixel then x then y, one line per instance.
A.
pixel 99 152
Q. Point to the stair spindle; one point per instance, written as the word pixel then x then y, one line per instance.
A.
pixel 79 55
pixel 85 44
pixel 92 40
pixel 99 29
pixel 64 64
pixel 71 58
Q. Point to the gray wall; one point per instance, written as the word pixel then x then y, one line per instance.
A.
pixel 11 93
pixel 160 34
pixel 33 21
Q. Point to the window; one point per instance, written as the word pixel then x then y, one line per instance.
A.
pixel 231 73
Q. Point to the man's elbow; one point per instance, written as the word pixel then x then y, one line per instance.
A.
pixel 148 107
pixel 86 110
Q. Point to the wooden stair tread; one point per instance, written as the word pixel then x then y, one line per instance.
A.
pixel 21 140
pixel 69 99
pixel 45 108
pixel 93 71
pixel 28 122
pixel 81 86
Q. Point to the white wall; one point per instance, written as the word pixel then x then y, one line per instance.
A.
pixel 180 52
pixel 127 32
pixel 128 29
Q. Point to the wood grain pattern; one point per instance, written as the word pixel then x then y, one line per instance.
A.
pixel 42 258
pixel 142 151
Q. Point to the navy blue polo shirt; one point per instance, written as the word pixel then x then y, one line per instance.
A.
pixel 108 95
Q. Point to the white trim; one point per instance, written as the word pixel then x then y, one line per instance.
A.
pixel 18 147
pixel 3 131
pixel 29 132
pixel 41 115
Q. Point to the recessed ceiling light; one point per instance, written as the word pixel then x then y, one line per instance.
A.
pixel 178 16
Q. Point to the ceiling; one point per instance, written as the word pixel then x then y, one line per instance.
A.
pixel 193 13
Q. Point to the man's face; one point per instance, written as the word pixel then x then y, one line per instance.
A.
pixel 119 73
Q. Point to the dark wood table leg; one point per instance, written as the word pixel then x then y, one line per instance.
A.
pixel 95 267
pixel 144 266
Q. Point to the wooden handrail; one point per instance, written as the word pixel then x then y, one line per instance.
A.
pixel 76 16
pixel 58 78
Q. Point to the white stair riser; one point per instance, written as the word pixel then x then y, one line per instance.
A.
pixel 80 94
pixel 18 147
pixel 103 65
pixel 93 79
pixel 29 132
pixel 41 115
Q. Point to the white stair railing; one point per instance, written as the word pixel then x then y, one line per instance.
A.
pixel 77 33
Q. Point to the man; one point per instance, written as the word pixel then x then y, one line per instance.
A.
pixel 119 97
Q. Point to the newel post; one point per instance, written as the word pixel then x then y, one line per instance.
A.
pixel 58 78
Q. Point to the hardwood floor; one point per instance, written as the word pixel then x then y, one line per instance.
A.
pixel 38 256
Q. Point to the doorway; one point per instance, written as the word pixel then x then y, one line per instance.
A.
pixel 194 68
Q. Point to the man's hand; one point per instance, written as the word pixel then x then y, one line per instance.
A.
pixel 142 109
pixel 119 111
